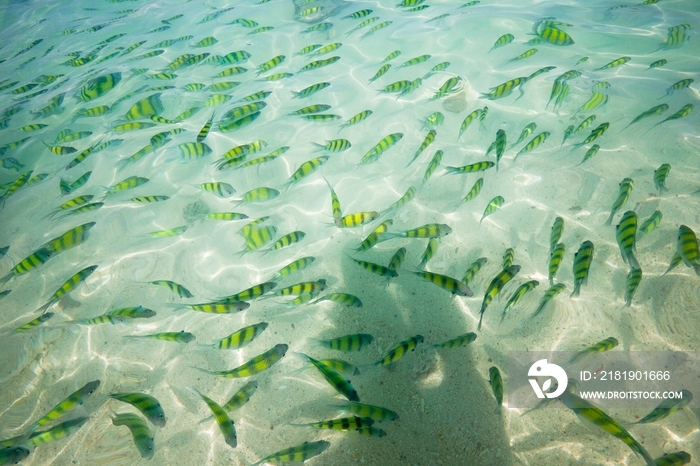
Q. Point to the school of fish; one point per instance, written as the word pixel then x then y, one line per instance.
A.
pixel 245 171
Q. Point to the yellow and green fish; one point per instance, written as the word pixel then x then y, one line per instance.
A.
pixel 590 413
pixel 254 365
pixel 582 266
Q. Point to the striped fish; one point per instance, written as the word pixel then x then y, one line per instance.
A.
pixel 555 259
pixel 588 412
pixel 601 346
pixel 666 408
pixel 336 380
pixel 496 383
pixel 626 187
pixel 148 405
pixel 72 401
pixel 582 265
pixel 626 234
pixel 295 266
pixel 687 248
pixel 376 413
pixel 533 144
pixel 240 338
pixel 241 397
pixel 398 351
pixel 343 423
pixel 493 205
pixel 649 224
pixel 299 453
pixel 225 423
pixel 553 291
pixel 57 432
pixel 305 169
pixel 631 284
pixel 68 286
pixel 495 287
pixel 505 39
pixel 450 284
pixel 518 294
pixel 253 366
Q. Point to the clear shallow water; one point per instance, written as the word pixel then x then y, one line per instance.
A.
pixel 443 398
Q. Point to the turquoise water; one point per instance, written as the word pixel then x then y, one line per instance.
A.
pixel 443 397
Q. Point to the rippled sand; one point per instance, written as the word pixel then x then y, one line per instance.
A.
pixel 444 400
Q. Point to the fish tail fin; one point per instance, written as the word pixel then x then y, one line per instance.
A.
pixel 123 163
pixel 387 236
pixel 43 308
pixel 451 170
pixel 577 291
pixel 302 356
pixel 522 94
pixel 481 317
pixel 201 370
pixel 624 128
pixel 314 342
pixel 644 454
pixel 366 367
pixel 5 279
pixel 301 369
pixel 50 215
pixel 633 261
pixel 340 408
pixel 175 306
pixel 539 309
pixel 298 425
pixel 194 390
